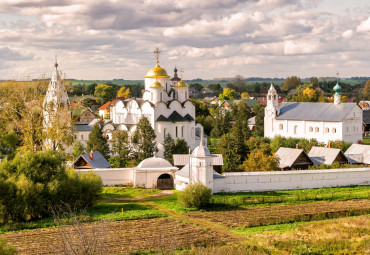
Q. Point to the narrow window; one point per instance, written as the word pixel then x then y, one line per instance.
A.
pixel 295 129
pixel 310 129
pixel 182 131
pixel 326 130
pixel 151 96
pixel 317 129
pixel 161 97
pixel 176 132
pixel 334 130
pixel 269 97
pixel 281 126
pixel 164 133
pixel 186 95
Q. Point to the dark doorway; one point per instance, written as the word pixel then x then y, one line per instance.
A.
pixel 165 181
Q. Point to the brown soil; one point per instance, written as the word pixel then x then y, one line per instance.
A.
pixel 284 213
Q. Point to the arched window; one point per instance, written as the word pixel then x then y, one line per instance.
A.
pixel 317 129
pixel 269 97
pixel 334 130
pixel 182 131
pixel 295 129
pixel 164 133
pixel 281 126
pixel 326 130
pixel 192 132
pixel 160 97
pixel 176 133
pixel 310 129
pixel 186 95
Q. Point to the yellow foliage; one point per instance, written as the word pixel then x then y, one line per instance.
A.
pixel 309 92
pixel 123 92
pixel 244 95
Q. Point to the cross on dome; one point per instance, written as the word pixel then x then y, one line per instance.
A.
pixel 156 54
pixel 56 61
pixel 181 72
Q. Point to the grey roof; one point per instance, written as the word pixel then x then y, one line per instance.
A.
pixel 366 117
pixel 323 155
pixel 82 127
pixel 358 153
pixel 315 111
pixel 183 159
pixel 98 162
pixel 288 156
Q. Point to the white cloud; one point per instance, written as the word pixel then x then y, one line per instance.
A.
pixel 364 26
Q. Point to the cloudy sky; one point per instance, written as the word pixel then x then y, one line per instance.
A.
pixel 106 39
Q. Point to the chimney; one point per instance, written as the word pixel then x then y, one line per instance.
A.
pixel 92 155
pixel 329 145
pixel 297 146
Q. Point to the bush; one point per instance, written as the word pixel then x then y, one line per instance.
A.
pixel 31 183
pixel 195 195
pixel 6 249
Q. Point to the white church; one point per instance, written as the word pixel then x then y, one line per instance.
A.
pixel 321 121
pixel 165 102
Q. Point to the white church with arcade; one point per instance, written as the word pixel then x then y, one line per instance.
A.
pixel 321 121
pixel 165 102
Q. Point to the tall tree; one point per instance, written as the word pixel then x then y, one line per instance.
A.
pixel 259 111
pixel 97 141
pixel 229 147
pixel 144 139
pixel 169 147
pixel 258 161
pixel 367 90
pixel 104 93
pixel 121 149
pixel 221 123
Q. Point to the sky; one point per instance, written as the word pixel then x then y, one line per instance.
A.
pixel 115 39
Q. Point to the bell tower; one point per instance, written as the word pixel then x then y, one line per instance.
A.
pixel 271 111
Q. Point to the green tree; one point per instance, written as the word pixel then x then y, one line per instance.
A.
pixel 181 147
pixel 196 86
pixel 258 161
pixel 123 92
pixel 78 149
pixel 97 141
pixel 144 140
pixel 221 122
pixel 227 94
pixel 259 111
pixel 200 107
pixel 169 147
pixel 195 195
pixel 104 93
pixel 258 143
pixel 314 82
pixel 291 83
pixel 8 144
pixel 121 149
pixel 90 89
pixel 229 147
pixel 306 93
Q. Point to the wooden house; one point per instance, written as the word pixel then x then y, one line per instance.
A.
pixel 293 159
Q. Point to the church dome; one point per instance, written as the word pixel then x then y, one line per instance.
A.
pixel 181 84
pixel 156 85
pixel 201 151
pixel 154 162
pixel 157 72
pixel 337 88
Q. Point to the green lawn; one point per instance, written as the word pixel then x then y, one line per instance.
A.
pixel 366 140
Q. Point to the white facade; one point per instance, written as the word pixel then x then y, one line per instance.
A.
pixel 166 106
pixel 325 121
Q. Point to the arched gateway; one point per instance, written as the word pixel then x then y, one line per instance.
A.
pixel 165 181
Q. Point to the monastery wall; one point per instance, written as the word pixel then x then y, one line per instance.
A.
pixel 113 176
pixel 285 180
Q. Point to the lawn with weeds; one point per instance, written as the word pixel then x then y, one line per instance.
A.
pixel 255 199
pixel 128 192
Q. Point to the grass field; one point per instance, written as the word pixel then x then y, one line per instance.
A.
pixel 139 221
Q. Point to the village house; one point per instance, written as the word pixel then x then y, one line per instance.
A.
pixel 327 156
pixel 290 158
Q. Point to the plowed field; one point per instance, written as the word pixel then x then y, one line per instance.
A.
pixel 123 237
pixel 284 213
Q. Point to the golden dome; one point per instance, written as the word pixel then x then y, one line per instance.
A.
pixel 157 72
pixel 181 84
pixel 156 85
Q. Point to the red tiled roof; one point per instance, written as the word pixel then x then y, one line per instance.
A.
pixel 104 106
pixel 263 100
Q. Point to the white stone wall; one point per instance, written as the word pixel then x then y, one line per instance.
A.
pixel 280 180
pixel 113 176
